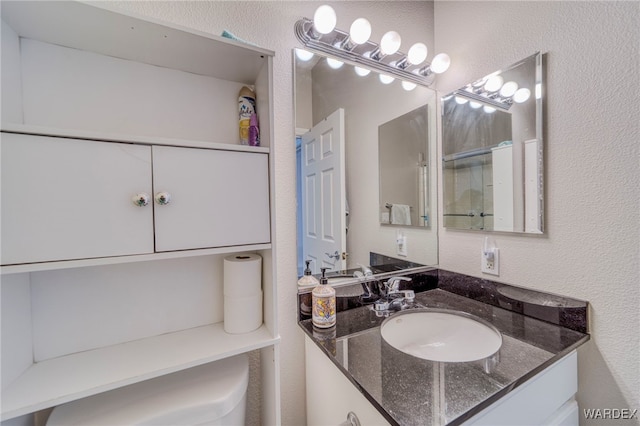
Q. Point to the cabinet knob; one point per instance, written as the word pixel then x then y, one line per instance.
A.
pixel 163 198
pixel 140 199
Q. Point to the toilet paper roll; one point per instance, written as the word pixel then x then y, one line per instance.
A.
pixel 242 314
pixel 242 275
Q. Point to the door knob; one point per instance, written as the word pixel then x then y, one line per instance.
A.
pixel 335 255
pixel 140 199
pixel 163 198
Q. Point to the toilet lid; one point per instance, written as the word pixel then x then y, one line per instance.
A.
pixel 196 395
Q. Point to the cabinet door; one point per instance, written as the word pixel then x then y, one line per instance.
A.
pixel 218 198
pixel 331 396
pixel 72 199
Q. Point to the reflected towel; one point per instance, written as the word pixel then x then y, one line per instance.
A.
pixel 400 214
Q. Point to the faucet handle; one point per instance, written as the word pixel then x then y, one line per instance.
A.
pixel 393 283
pixel 366 270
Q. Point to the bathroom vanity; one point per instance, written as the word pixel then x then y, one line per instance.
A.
pixel 121 169
pixel 533 376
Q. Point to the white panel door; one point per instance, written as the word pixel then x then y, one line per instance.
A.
pixel 218 198
pixel 323 194
pixel 72 199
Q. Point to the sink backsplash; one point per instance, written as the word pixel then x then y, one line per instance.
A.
pixel 560 310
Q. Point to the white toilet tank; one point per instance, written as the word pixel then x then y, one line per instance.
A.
pixel 209 394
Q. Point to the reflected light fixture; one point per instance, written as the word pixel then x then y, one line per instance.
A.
pixel 386 79
pixel 493 92
pixel 508 89
pixel 408 86
pixel 320 35
pixel 362 72
pixel 334 63
pixel 521 95
pixel 304 55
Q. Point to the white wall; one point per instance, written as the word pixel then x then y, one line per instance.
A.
pixel 591 246
pixel 270 25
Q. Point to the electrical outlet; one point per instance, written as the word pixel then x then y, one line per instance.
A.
pixel 490 261
pixel 401 244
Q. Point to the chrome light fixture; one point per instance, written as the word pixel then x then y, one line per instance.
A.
pixel 493 92
pixel 355 47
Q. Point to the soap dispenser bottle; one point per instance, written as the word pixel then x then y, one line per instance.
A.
pixel 323 302
pixel 307 279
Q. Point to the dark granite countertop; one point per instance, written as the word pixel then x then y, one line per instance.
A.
pixel 410 391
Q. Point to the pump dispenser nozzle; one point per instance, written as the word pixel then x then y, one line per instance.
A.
pixel 323 278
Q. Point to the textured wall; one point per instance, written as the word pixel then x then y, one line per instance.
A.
pixel 591 246
pixel 270 25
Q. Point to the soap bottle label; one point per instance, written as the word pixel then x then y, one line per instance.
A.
pixel 324 311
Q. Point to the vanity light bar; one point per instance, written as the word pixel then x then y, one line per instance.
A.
pixel 486 98
pixel 365 54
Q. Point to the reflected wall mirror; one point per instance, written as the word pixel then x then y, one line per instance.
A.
pixel 493 151
pixel 340 116
pixel 403 155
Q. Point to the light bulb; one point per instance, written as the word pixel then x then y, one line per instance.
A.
pixel 479 83
pixel 475 105
pixel 360 31
pixel 521 95
pixel 385 79
pixel 408 86
pixel 489 109
pixel 362 72
pixel 417 54
pixel 461 101
pixel 440 63
pixel 494 83
pixel 304 55
pixel 390 43
pixel 508 89
pixel 324 19
pixel 334 63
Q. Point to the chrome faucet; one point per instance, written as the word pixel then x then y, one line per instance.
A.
pixel 393 299
pixel 392 286
pixel 365 277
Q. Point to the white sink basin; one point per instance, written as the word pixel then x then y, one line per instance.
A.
pixel 441 335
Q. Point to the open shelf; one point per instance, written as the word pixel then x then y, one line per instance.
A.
pixel 59 380
pixel 129 37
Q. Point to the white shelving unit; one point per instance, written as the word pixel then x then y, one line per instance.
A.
pixel 73 71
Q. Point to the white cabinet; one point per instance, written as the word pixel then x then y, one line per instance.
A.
pixel 66 199
pixel 111 106
pixel 218 198
pixel 548 398
pixel 331 396
pixel 69 199
pixel 545 399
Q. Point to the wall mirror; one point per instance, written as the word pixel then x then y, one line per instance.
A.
pixel 340 115
pixel 403 172
pixel 493 151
